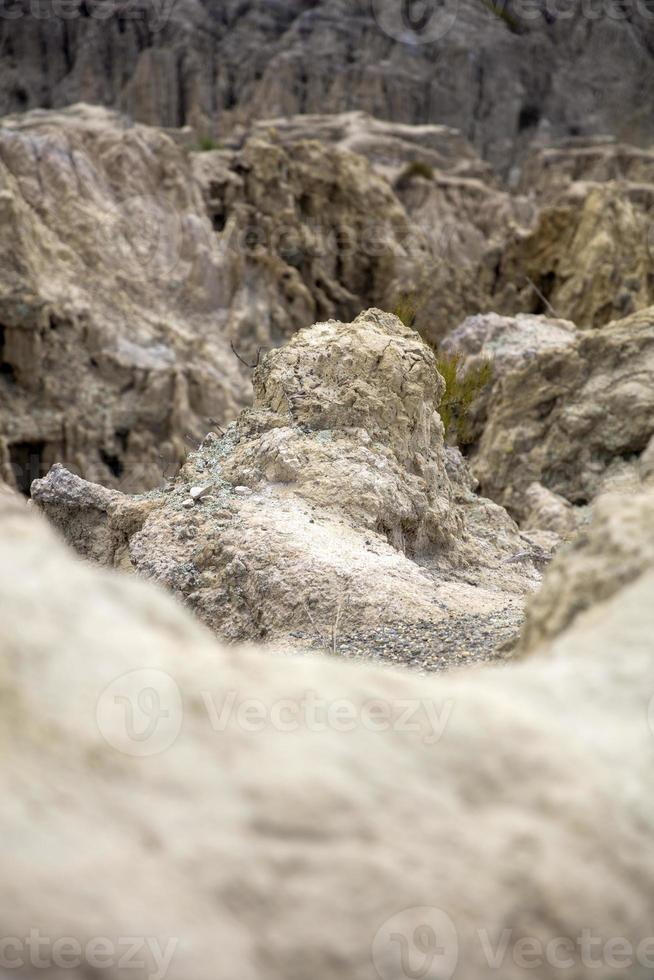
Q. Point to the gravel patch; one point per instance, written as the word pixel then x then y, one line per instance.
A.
pixel 427 647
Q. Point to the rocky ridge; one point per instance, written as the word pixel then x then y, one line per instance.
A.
pixel 141 280
pixel 130 269
pixel 506 77
pixel 570 410
pixel 331 505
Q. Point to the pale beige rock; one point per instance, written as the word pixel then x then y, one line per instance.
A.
pixel 548 172
pixel 129 269
pixel 507 344
pixel 574 417
pixel 357 517
pixel 616 548
pixel 588 258
pixel 519 798
pixel 549 511
pixel 454 206
pixel 389 146
pixel 306 231
pixel 111 352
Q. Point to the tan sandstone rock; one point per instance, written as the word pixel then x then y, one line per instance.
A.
pixel 334 507
pixel 575 417
pixel 237 813
pixel 129 266
pixel 588 258
pixel 616 548
pixel 111 353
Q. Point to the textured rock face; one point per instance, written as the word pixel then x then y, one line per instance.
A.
pixel 576 417
pixel 389 146
pixel 307 231
pixel 549 171
pixel 128 267
pixel 509 344
pixel 110 350
pixel 262 805
pixel 502 80
pixel 332 503
pixel 616 548
pixel 588 258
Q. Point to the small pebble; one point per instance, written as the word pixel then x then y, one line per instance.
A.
pixel 197 493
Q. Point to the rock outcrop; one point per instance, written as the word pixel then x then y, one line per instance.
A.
pixel 140 280
pixel 506 76
pixel 571 411
pixel 548 172
pixel 616 548
pixel 588 258
pixel 111 352
pixel 273 805
pixel 129 268
pixel 508 344
pixel 308 231
pixel 331 507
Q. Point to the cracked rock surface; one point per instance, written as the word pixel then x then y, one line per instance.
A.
pixel 331 505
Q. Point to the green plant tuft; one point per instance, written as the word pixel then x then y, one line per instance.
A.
pixel 405 310
pixel 461 389
pixel 207 143
pixel 417 168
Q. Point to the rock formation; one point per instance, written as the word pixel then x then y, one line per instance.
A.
pixel 111 353
pixel 616 548
pixel 307 231
pixel 194 183
pixel 329 508
pixel 275 806
pixel 128 268
pixel 505 75
pixel 573 411
pixel 588 258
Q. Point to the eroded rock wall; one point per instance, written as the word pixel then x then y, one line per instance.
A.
pixel 131 268
pixel 505 76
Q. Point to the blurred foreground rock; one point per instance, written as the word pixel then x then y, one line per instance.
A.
pixel 247 813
